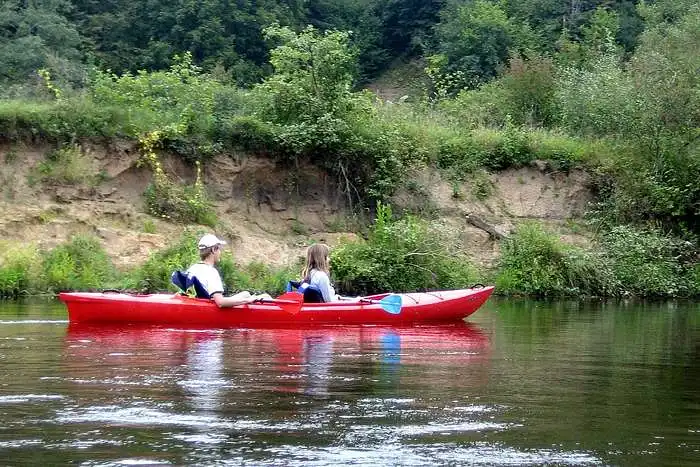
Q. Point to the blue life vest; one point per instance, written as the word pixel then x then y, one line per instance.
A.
pixel 184 281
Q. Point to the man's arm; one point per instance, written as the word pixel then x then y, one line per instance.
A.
pixel 240 298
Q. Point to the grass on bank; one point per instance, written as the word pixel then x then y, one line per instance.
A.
pixel 82 264
pixel 625 262
pixel 406 254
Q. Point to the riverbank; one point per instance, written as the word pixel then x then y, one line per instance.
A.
pixel 578 203
pixel 96 243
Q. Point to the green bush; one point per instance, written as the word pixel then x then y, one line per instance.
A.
pixel 627 262
pixel 80 263
pixel 597 101
pixel 18 269
pixel 648 263
pixel 181 97
pixel 154 274
pixel 475 108
pixel 398 256
pixel 529 88
pixel 249 133
pixel 534 262
pixel 512 149
pixel 525 94
pixel 460 154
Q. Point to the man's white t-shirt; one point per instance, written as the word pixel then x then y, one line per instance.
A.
pixel 208 276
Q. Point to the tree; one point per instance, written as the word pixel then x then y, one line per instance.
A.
pixel 553 19
pixel 407 24
pixel 597 39
pixel 313 76
pixel 361 18
pixel 665 70
pixel 36 34
pixel 474 41
pixel 128 35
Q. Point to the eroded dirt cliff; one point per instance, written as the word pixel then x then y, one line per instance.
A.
pixel 267 212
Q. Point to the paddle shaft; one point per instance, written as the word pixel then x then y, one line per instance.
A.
pixel 276 300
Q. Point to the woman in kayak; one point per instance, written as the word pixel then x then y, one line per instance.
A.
pixel 317 270
pixel 210 248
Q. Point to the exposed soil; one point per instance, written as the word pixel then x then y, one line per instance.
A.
pixel 266 212
pixel 514 196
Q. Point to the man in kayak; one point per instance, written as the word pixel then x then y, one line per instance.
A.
pixel 210 248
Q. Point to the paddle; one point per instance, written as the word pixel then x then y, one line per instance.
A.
pixel 391 303
pixel 290 302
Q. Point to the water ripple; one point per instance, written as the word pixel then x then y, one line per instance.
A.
pixel 22 398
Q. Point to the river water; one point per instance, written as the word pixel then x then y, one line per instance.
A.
pixel 522 383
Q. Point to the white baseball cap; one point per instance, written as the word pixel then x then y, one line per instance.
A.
pixel 208 241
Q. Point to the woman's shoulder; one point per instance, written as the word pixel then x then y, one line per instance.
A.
pixel 317 274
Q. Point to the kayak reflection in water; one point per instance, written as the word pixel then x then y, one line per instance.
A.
pixel 211 366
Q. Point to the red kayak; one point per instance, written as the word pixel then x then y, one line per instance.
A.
pixel 286 310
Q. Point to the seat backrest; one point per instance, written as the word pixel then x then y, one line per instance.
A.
pixel 184 281
pixel 311 293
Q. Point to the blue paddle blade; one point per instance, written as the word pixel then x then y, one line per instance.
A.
pixel 391 304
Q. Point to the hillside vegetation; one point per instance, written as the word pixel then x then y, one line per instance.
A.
pixel 609 87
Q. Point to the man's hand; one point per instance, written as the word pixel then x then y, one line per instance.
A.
pixel 261 297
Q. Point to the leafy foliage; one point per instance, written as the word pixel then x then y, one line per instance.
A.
pixel 38 35
pixel 309 96
pixel 79 263
pixel 403 255
pixel 17 270
pixel 648 263
pixel 534 262
pixel 627 262
pixel 179 101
